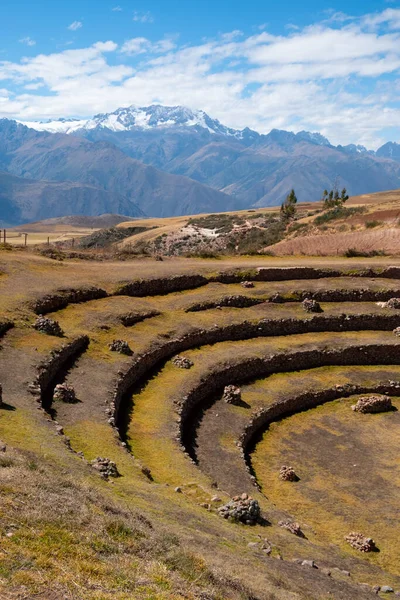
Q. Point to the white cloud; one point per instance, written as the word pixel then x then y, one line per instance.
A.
pixel 117 9
pixel 28 41
pixel 143 17
pixel 141 45
pixel 75 25
pixel 337 76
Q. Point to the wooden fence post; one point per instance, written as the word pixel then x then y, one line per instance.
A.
pixel 4 234
pixel 26 237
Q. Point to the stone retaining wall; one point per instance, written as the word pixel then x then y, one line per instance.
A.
pixel 264 417
pixel 49 370
pixel 143 363
pixel 255 368
pixel 160 286
pixel 61 298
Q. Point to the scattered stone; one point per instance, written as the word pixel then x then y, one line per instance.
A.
pixel 182 362
pixel 287 474
pixel 397 331
pixel 373 404
pixel 3 446
pixel 386 589
pixel 178 490
pixel 291 526
pixel 359 542
pixel 60 429
pixel 309 563
pixel 247 284
pixel 241 509
pixel 64 393
pixel 48 326
pixel 120 346
pixel 376 589
pixel 326 571
pixel 311 306
pixel 232 394
pixel 105 466
pixel 215 499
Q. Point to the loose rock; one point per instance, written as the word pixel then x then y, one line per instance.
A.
pixel 120 346
pixel 311 306
pixel 232 394
pixel 105 466
pixel 64 393
pixel 373 404
pixel 386 589
pixel 397 331
pixel 182 362
pixel 48 326
pixel 241 509
pixel 287 474
pixel 292 527
pixel 393 303
pixel 247 284
pixel 359 542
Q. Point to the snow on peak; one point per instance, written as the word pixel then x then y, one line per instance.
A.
pixel 315 138
pixel 144 118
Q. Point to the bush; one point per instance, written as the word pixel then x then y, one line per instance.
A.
pixel 340 212
pixel 372 224
pixel 353 253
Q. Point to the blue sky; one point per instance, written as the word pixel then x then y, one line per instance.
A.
pixel 323 66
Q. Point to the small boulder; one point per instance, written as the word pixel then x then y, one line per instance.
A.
pixel 291 526
pixel 64 393
pixel 48 326
pixel 120 346
pixel 241 509
pixel 182 362
pixel 106 467
pixel 373 404
pixel 397 331
pixel 232 394
pixel 287 474
pixel 247 284
pixel 393 303
pixel 311 306
pixel 359 542
pixel 386 589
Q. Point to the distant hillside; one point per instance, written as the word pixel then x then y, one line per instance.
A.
pixel 123 185
pixel 24 200
pixel 76 221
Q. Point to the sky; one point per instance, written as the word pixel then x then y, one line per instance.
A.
pixel 316 65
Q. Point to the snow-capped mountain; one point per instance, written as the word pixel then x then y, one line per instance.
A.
pixel 142 118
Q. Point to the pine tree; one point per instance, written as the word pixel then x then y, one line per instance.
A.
pixel 288 206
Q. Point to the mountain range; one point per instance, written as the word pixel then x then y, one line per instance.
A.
pixel 166 161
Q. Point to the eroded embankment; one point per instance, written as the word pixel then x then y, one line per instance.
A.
pixel 147 361
pixel 53 369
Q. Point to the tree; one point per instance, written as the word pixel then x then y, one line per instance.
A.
pixel 288 206
pixel 333 199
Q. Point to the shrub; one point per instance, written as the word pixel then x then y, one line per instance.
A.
pixel 372 224
pixel 340 212
pixel 353 253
